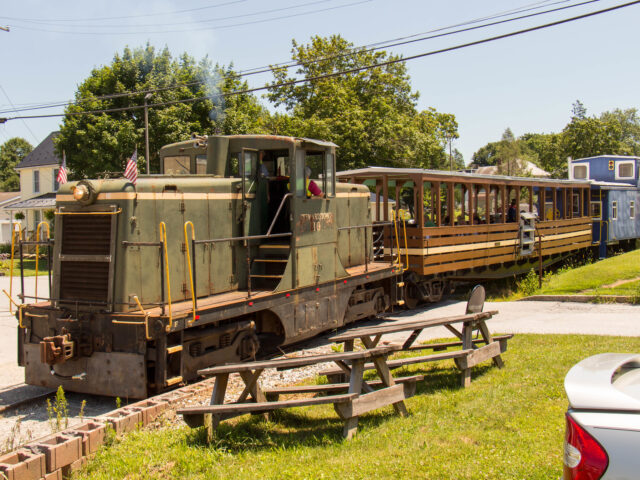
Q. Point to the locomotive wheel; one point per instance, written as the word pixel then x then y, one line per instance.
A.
pixel 411 299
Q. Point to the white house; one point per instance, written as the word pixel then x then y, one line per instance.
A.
pixel 38 184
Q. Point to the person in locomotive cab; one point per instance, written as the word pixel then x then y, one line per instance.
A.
pixel 312 188
pixel 512 214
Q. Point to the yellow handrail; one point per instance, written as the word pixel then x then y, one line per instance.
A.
pixel 395 227
pixel 13 239
pixel 406 248
pixel 186 243
pixel 38 250
pixel 145 323
pixel 163 239
pixel 19 307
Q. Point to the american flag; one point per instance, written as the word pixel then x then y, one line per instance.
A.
pixel 131 172
pixel 62 173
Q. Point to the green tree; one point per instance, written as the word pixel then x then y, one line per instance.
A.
pixel 11 153
pixel 545 150
pixel 371 114
pixel 629 123
pixel 509 156
pixel 591 136
pixel 102 142
pixel 486 155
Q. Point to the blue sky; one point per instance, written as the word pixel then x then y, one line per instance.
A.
pixel 527 83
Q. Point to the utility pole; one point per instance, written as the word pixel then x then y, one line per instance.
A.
pixel 146 130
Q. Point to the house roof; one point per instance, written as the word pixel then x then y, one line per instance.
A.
pixel 43 154
pixel 6 197
pixel 530 167
pixel 46 200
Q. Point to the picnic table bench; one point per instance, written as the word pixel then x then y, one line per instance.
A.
pixel 360 396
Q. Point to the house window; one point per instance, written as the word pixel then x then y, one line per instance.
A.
pixel 36 181
pixel 36 218
pixel 632 209
pixel 580 171
pixel 56 185
pixel 614 210
pixel 625 170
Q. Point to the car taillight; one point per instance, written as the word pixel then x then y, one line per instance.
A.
pixel 584 457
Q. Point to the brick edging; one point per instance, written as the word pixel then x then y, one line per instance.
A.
pixel 56 456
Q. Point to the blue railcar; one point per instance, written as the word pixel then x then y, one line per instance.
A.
pixel 615 198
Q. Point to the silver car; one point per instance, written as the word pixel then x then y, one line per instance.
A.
pixel 602 439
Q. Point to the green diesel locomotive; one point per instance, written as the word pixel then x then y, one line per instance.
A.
pixel 243 244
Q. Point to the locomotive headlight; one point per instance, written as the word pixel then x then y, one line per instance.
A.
pixel 80 193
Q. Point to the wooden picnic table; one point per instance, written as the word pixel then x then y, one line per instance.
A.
pixel 361 396
pixel 469 356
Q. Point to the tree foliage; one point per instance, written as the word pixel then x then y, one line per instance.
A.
pixel 101 142
pixel 11 153
pixel 615 132
pixel 371 114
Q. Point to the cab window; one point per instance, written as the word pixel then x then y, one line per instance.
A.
pixel 177 165
pixel 201 164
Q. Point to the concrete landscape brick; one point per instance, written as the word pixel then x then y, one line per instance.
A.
pixel 77 465
pixel 151 408
pixel 122 420
pixel 59 450
pixel 57 475
pixel 91 434
pixel 23 464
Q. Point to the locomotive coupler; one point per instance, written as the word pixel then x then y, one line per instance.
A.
pixel 56 349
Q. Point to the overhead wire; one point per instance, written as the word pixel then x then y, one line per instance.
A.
pixel 352 70
pixel 356 50
pixel 136 31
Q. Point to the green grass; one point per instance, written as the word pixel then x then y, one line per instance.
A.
pixel 595 275
pixel 29 267
pixel 508 424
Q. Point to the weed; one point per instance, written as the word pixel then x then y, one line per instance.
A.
pixel 58 412
pixel 336 348
pixel 118 402
pixel 82 406
pixel 13 440
pixel 109 435
pixel 529 284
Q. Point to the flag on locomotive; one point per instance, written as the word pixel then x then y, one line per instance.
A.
pixel 131 171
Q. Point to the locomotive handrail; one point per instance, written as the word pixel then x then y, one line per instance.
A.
pixel 38 254
pixel 163 240
pixel 191 268
pixel 13 243
pixel 145 323
pixel 275 217
pixel 19 307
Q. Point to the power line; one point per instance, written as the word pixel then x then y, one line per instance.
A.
pixel 219 27
pixel 25 123
pixel 145 15
pixel 353 51
pixel 352 70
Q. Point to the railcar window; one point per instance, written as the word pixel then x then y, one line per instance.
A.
pixel 625 170
pixel 580 171
pixel 177 165
pixel 201 164
pixel 576 205
pixel 614 210
pixel 596 210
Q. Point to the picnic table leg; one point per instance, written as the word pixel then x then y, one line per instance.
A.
pixel 252 387
pixel 411 339
pixel 355 386
pixel 467 343
pixel 386 377
pixel 486 336
pixel 211 421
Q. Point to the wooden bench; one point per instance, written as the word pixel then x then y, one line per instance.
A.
pixel 274 393
pixel 361 396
